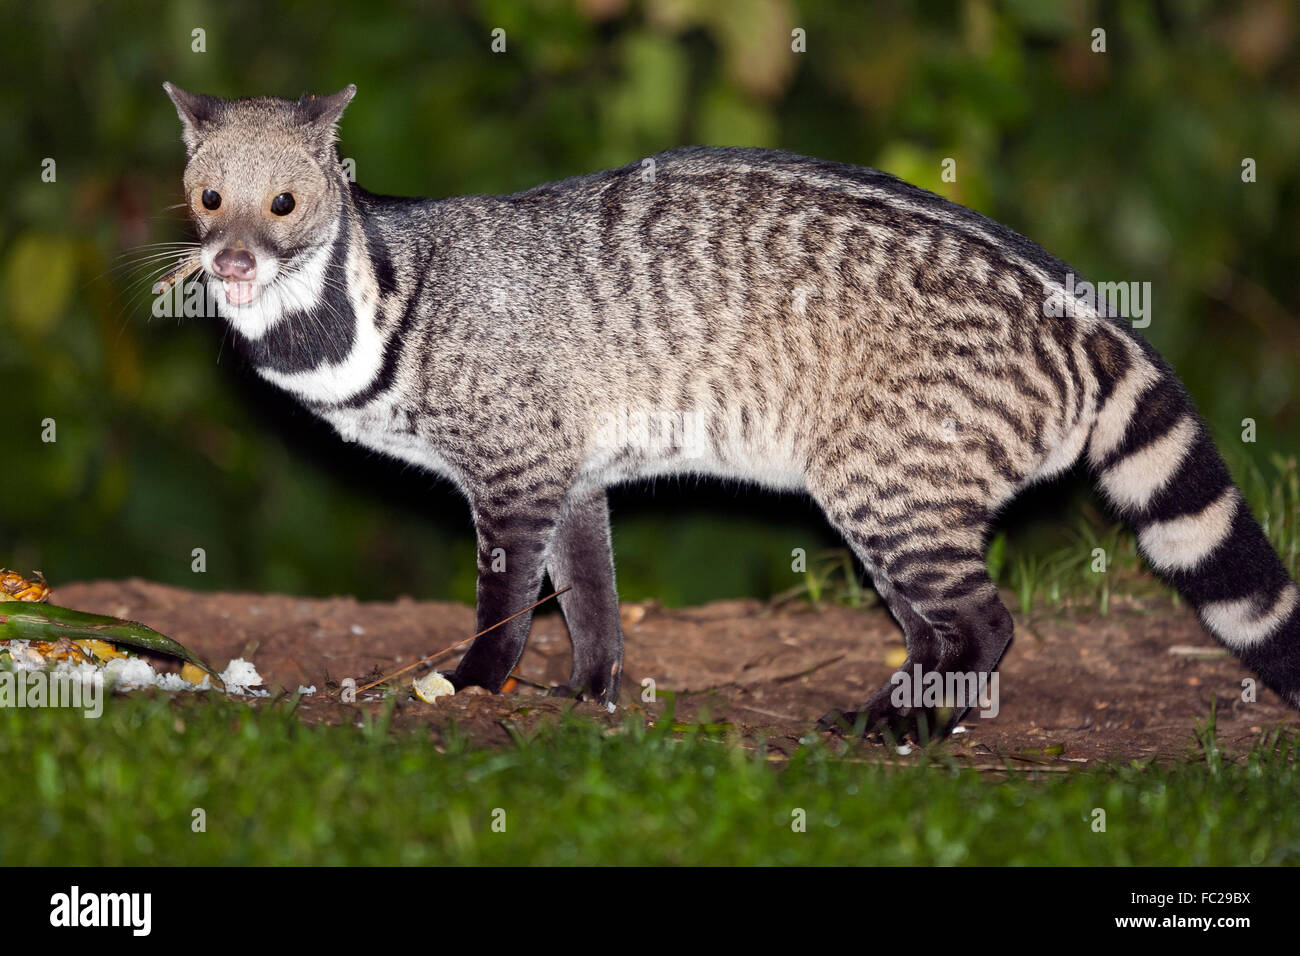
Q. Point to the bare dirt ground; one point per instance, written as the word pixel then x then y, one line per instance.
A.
pixel 1075 688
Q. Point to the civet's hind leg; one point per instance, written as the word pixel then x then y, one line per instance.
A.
pixel 927 561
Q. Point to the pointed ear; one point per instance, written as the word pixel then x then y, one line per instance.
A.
pixel 325 110
pixel 196 112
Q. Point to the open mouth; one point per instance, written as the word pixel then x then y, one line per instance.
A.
pixel 239 293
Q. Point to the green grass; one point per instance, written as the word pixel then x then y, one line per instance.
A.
pixel 122 790
pixel 1065 572
pixel 831 575
pixel 1274 496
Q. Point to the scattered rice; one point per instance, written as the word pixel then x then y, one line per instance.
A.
pixel 242 678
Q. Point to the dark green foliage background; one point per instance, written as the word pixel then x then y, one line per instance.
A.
pixel 1126 164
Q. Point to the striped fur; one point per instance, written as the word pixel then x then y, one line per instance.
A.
pixel 743 314
pixel 1160 469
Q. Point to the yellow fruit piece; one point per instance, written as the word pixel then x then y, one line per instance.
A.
pixel 432 686
pixel 61 649
pixel 192 673
pixel 101 649
pixel 15 587
pixel 896 657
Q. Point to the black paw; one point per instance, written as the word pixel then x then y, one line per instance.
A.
pixel 843 722
pixel 578 693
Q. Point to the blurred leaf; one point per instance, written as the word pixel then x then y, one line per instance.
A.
pixel 38 275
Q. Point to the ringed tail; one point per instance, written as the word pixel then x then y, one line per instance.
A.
pixel 1155 461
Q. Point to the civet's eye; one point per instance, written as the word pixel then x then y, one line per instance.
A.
pixel 282 204
pixel 211 199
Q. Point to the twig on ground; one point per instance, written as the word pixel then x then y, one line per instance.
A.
pixel 447 650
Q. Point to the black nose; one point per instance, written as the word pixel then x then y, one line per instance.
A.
pixel 237 264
